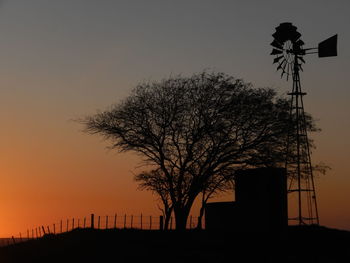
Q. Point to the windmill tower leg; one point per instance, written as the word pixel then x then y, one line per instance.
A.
pixel 298 158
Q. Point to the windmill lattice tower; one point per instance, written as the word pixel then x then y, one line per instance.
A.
pixel 289 51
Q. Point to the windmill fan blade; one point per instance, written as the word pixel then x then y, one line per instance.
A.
pixel 300 42
pixel 294 36
pixel 276 52
pixel 276 44
pixel 282 73
pixel 277 36
pixel 301 59
pixel 284 66
pixel 277 59
pixel 286 31
pixel 284 24
pixel 280 64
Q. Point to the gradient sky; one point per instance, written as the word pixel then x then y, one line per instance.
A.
pixel 61 60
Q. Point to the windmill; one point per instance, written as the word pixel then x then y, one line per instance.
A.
pixel 289 53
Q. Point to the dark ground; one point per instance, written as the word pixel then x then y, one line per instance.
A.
pixel 296 244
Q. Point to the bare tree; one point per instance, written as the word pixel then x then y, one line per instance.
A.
pixel 195 128
pixel 155 182
pixel 216 185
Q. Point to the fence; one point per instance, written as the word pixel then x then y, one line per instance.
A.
pixel 98 222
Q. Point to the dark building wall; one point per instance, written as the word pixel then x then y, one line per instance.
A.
pixel 262 197
pixel 261 203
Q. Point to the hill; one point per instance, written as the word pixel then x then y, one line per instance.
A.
pixel 297 244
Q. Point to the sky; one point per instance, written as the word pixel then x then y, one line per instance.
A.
pixel 63 60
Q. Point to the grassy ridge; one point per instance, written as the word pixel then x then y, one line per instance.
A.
pixel 297 244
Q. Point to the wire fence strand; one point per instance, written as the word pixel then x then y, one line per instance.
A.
pixel 116 221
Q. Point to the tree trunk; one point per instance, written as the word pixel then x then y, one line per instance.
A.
pixel 201 211
pixel 167 217
pixel 181 215
pixel 200 217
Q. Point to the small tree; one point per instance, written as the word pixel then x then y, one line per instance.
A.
pixel 217 185
pixel 193 129
pixel 155 182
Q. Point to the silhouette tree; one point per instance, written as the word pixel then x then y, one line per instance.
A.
pixel 216 185
pixel 156 182
pixel 194 128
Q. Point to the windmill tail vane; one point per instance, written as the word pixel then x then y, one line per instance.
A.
pixel 289 52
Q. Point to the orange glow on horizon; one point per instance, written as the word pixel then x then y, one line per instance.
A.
pixel 60 61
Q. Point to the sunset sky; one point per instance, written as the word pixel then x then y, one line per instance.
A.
pixel 62 60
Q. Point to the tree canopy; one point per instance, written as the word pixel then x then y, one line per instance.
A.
pixel 193 129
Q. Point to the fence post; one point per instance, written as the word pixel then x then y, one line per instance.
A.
pixel 61 226
pixel 20 237
pixel 150 222
pixel 125 221
pixel 141 221
pixel 48 230
pixel 161 223
pixel 36 232
pixel 73 224
pixel 115 221
pixel 92 221
pixel 39 232
pixel 13 240
pixel 54 228
pixel 32 233
pixel 43 228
